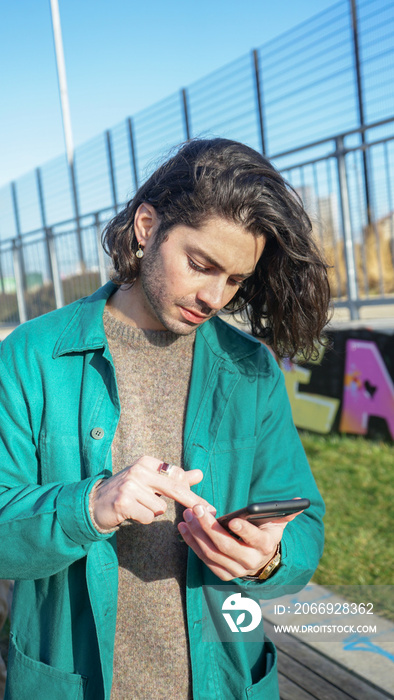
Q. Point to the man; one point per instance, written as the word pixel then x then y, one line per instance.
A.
pixel 102 398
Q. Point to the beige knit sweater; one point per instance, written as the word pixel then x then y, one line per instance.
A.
pixel 151 648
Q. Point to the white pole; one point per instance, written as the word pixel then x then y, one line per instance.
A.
pixel 68 137
pixel 61 73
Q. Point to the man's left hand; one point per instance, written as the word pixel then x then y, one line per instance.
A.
pixel 226 556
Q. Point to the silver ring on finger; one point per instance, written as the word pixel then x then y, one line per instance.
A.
pixel 165 468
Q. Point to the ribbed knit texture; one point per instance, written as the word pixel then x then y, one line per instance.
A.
pixel 151 648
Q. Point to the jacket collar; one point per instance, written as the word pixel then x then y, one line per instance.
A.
pixel 85 331
pixel 226 341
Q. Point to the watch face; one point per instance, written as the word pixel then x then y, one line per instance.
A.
pixel 268 570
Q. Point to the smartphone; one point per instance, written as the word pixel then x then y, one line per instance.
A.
pixel 260 513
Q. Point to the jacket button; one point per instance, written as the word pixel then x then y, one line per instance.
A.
pixel 97 433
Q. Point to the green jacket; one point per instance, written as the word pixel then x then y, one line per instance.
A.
pixel 58 384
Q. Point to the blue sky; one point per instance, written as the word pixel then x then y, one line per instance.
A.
pixel 121 57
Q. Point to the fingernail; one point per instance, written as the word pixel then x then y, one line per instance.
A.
pixel 182 529
pixel 188 516
pixel 236 525
pixel 199 511
pixel 211 509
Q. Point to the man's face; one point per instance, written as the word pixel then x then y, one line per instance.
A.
pixel 194 273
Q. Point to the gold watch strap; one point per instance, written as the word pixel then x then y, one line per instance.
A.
pixel 268 569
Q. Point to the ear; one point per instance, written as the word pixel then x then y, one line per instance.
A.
pixel 146 222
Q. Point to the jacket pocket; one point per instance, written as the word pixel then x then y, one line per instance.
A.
pixel 232 463
pixel 267 688
pixel 28 678
pixel 60 458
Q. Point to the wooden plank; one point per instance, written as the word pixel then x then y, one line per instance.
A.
pixel 318 686
pixel 345 679
pixel 291 691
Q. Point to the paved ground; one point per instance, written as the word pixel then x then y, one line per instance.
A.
pixel 344 637
pixel 307 674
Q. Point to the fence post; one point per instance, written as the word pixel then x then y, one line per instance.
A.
pixel 111 171
pixel 133 155
pixel 44 221
pixel 18 274
pixel 186 119
pixel 100 251
pixel 19 235
pixel 76 214
pixel 259 96
pixel 350 260
pixel 1 273
pixel 57 283
pixel 360 102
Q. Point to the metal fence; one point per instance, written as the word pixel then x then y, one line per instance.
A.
pixel 330 75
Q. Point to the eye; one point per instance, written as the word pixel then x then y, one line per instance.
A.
pixel 237 283
pixel 196 267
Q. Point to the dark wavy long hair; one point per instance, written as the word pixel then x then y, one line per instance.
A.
pixel 286 301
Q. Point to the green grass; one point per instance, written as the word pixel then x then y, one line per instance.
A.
pixel 355 478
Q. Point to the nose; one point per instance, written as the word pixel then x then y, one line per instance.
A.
pixel 213 293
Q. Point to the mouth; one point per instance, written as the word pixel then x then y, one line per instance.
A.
pixel 192 316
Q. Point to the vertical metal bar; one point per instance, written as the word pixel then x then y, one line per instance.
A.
pixel 133 155
pixel 100 252
pixel 186 120
pixel 18 233
pixel 1 273
pixel 303 188
pixel 361 208
pixel 18 274
pixel 352 288
pixel 319 221
pixel 111 170
pixel 260 99
pixel 389 199
pixel 57 283
pixel 374 228
pixel 77 216
pixel 16 210
pixel 44 221
pixel 333 232
pixel 360 102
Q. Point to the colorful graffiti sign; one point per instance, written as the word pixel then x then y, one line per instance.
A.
pixel 350 388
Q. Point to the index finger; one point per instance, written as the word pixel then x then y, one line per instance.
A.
pixel 174 486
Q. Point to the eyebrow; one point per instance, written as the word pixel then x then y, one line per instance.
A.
pixel 211 261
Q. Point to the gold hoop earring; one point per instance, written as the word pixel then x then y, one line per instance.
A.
pixel 140 253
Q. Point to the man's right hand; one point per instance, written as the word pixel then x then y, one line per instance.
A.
pixel 134 493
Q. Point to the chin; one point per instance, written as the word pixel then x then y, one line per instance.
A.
pixel 178 326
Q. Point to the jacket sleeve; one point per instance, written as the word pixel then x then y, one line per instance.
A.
pixel 43 529
pixel 282 471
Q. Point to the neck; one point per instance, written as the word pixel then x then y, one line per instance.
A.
pixel 127 305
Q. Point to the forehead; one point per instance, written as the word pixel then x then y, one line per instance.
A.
pixel 224 243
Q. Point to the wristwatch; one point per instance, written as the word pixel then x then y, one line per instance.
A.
pixel 268 569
